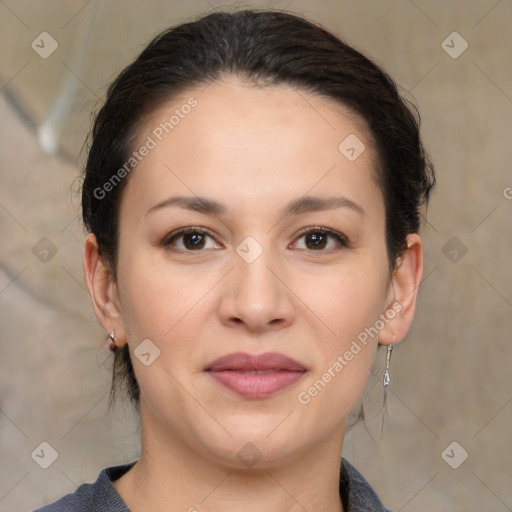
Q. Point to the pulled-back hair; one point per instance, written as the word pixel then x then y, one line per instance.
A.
pixel 263 48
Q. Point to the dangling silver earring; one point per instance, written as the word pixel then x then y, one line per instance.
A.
pixel 387 378
pixel 112 345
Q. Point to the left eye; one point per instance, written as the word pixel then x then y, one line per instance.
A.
pixel 317 238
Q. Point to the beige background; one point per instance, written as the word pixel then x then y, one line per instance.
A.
pixel 450 378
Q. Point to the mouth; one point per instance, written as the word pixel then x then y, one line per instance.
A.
pixel 256 376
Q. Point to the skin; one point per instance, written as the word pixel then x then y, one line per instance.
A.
pixel 254 150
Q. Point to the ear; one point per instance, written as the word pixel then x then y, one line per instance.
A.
pixel 103 291
pixel 405 282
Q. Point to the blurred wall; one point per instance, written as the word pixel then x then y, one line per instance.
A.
pixel 451 381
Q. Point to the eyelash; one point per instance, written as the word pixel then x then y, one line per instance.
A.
pixel 341 239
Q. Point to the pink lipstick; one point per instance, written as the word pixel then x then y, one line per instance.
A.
pixel 256 376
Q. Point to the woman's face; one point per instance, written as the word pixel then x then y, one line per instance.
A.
pixel 247 279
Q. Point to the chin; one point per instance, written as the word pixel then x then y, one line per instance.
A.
pixel 253 455
pixel 254 445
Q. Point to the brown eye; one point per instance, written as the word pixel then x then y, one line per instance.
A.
pixel 188 239
pixel 317 239
pixel 193 240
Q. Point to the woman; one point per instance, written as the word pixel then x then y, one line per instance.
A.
pixel 253 193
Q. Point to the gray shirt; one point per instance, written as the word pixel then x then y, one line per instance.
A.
pixel 357 495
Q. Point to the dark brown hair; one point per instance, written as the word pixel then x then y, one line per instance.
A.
pixel 264 48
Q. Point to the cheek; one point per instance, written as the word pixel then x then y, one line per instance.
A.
pixel 161 306
pixel 155 300
pixel 350 307
pixel 346 300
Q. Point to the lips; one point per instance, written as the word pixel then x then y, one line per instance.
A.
pixel 256 376
pixel 243 362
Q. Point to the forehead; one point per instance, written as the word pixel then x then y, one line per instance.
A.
pixel 246 143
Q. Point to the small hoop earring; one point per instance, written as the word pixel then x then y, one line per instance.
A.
pixel 387 378
pixel 112 345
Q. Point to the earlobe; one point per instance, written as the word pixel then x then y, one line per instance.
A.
pixel 103 291
pixel 405 282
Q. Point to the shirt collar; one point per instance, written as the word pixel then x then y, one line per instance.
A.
pixel 357 495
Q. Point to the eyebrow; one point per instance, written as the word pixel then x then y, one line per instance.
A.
pixel 296 207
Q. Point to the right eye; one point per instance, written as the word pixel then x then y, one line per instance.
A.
pixel 192 239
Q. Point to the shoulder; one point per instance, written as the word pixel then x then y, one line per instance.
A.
pixel 358 495
pixel 100 496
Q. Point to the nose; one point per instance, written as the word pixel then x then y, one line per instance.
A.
pixel 256 296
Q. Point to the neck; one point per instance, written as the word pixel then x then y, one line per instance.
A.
pixel 170 476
